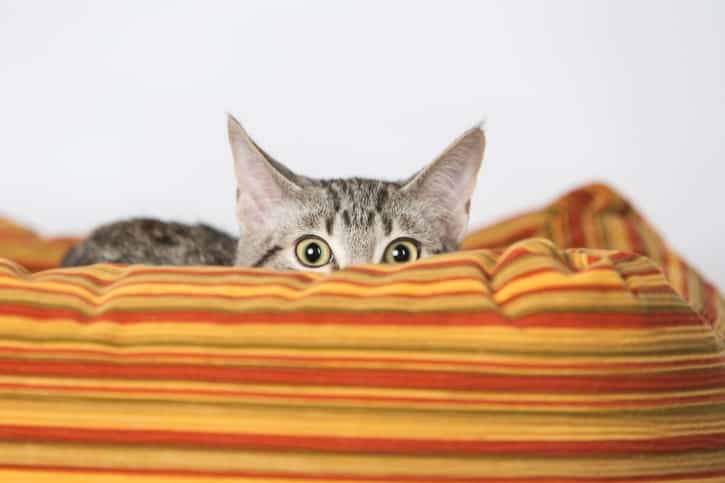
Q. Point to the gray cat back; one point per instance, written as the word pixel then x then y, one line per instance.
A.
pixel 153 242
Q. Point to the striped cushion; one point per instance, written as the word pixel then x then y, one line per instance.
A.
pixel 28 249
pixel 527 363
pixel 595 216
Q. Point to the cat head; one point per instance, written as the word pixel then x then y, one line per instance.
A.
pixel 292 222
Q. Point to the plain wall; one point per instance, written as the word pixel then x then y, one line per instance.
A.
pixel 114 109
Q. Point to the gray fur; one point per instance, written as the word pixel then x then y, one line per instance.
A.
pixel 153 242
pixel 357 217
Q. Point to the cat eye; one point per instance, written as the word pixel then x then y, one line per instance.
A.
pixel 313 252
pixel 402 250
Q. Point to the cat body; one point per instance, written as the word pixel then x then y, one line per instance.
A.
pixel 154 242
pixel 292 222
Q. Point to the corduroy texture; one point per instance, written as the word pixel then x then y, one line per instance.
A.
pixel 519 364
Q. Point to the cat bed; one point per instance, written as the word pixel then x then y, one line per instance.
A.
pixel 569 344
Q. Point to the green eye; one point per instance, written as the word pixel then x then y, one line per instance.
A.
pixel 402 250
pixel 313 252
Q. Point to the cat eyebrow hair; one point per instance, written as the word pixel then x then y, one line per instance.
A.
pixel 371 217
pixel 267 255
pixel 381 198
pixel 334 195
pixel 387 224
pixel 405 222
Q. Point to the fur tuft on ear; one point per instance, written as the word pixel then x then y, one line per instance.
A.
pixel 446 185
pixel 262 184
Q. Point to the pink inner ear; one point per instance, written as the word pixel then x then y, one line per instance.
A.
pixel 258 184
pixel 447 184
pixel 258 201
pixel 251 219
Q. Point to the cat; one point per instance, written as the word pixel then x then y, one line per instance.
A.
pixel 292 222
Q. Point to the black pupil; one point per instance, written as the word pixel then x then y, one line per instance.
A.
pixel 313 252
pixel 401 253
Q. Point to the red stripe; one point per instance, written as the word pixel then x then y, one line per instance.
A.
pixel 695 379
pixel 341 444
pixel 635 242
pixel 576 320
pixel 510 256
pixel 623 256
pixel 574 217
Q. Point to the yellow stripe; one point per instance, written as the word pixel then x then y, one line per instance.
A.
pixel 496 339
pixel 351 422
pixel 516 402
pixel 363 465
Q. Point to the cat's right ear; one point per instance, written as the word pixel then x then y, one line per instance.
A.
pixel 447 183
pixel 262 183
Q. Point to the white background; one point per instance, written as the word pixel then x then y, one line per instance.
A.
pixel 112 109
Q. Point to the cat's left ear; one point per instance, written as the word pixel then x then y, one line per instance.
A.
pixel 263 184
pixel 446 185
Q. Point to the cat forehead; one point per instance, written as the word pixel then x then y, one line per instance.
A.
pixel 356 205
pixel 357 192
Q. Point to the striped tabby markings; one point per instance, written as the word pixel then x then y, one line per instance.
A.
pixel 267 255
